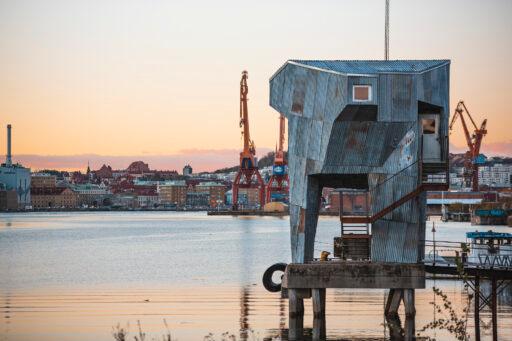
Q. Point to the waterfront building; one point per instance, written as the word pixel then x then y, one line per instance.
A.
pixel 125 200
pixel 40 180
pixel 15 176
pixel 215 190
pixel 8 199
pixel 173 192
pixel 495 175
pixel 147 196
pixel 198 199
pixel 53 197
pixel 148 200
pixel 187 170
pixel 91 194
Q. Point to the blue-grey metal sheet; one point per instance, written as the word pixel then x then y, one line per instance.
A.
pixel 374 66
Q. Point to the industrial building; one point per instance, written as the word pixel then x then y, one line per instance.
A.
pixel 15 176
pixel 379 127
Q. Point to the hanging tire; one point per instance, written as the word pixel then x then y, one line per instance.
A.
pixel 268 283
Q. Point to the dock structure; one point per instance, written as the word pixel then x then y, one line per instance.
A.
pixel 380 127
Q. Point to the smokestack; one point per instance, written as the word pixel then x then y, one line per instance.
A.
pixel 8 159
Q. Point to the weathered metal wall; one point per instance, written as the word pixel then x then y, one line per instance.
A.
pixel 387 150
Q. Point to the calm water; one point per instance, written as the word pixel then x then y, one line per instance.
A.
pixel 73 276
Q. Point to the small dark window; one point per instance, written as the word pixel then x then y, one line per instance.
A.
pixel 429 125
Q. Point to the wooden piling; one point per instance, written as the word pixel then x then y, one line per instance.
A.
pixel 410 314
pixel 393 302
pixel 477 308
pixel 318 298
pixel 296 315
pixel 494 310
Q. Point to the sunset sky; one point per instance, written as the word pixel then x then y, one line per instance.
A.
pixel 112 81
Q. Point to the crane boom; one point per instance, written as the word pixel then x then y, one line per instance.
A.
pixel 248 175
pixel 279 157
pixel 474 142
pixel 249 147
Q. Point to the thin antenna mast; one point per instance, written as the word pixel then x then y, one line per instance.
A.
pixel 386 33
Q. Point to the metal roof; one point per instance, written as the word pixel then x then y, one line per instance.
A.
pixel 373 66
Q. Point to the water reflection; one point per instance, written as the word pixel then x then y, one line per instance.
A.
pixel 74 276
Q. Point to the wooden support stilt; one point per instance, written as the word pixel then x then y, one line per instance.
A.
pixel 318 298
pixel 410 314
pixel 395 327
pixel 410 310
pixel 477 308
pixel 393 302
pixel 296 316
pixel 494 309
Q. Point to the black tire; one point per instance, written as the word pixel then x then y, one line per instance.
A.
pixel 268 283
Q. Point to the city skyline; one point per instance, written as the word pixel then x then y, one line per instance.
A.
pixel 114 81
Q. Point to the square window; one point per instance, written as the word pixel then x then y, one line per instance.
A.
pixel 361 93
pixel 429 126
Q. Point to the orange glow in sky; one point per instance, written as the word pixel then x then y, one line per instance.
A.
pixel 124 78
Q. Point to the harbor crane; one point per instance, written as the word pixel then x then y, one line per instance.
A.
pixel 278 183
pixel 474 142
pixel 248 175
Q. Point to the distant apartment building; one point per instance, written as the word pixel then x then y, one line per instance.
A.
pixel 198 199
pixel 147 196
pixel 215 190
pixel 53 197
pixel 91 194
pixel 125 200
pixel 40 180
pixel 495 175
pixel 147 200
pixel 172 192
pixel 187 170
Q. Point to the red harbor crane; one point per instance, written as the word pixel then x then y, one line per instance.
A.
pixel 474 142
pixel 278 182
pixel 248 175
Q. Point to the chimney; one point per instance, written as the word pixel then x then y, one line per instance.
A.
pixel 8 159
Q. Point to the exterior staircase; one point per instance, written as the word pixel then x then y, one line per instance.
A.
pixel 434 177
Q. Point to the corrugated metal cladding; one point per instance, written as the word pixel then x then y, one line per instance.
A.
pixel 374 66
pixel 331 138
pixel 362 143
